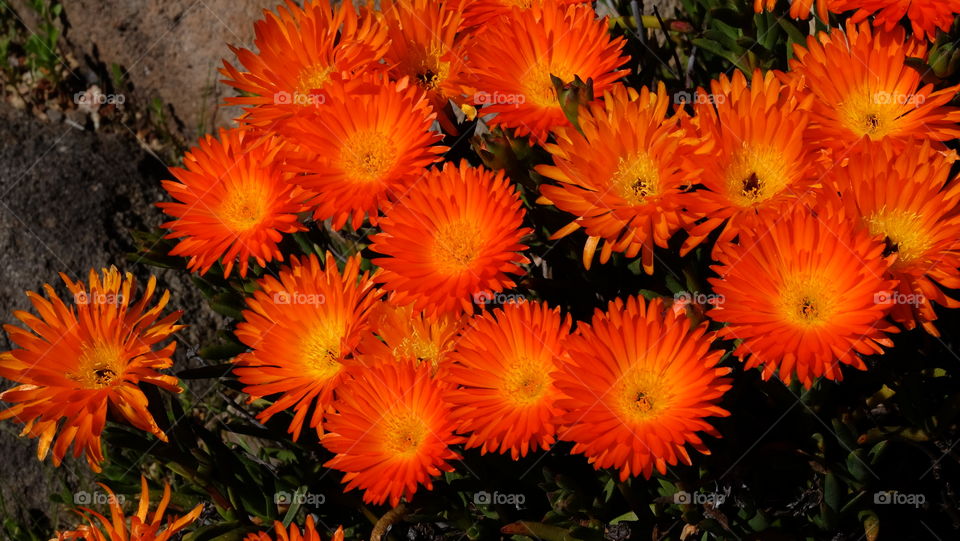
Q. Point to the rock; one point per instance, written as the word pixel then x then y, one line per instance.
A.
pixel 68 199
pixel 170 49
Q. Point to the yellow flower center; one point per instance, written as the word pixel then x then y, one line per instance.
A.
pixel 538 86
pixel 869 113
pixel 313 77
pixel 404 433
pixel 525 382
pixel 368 156
pixel 755 174
pixel 425 66
pixel 807 301
pixel 640 396
pixel 100 365
pixel 903 233
pixel 419 347
pixel 322 350
pixel 244 207
pixel 636 179
pixel 456 245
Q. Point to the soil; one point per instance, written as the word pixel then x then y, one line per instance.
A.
pixel 68 201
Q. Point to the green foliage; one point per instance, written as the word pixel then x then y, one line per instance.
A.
pixel 42 45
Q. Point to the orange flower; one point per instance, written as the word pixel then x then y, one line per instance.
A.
pixel 510 67
pixel 622 175
pixel 902 196
pixel 362 147
pixel 799 9
pixel 455 234
pixel 926 16
pixel 301 51
pixel 137 527
pixel 481 12
pixel 232 202
pixel 391 431
pixel 293 534
pixel 804 295
pixel 427 47
pixel 504 366
pixel 75 363
pixel 878 96
pixel 759 160
pixel 638 384
pixel 303 327
pixel 405 335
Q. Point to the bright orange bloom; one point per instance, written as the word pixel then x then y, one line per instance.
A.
pixel 301 50
pixel 902 195
pixel 427 47
pixel 759 160
pixel 455 234
pixel 639 382
pixel 391 431
pixel 76 362
pixel 926 16
pixel 510 67
pixel 878 97
pixel 362 147
pixel 799 9
pixel 482 12
pixel 622 175
pixel 303 327
pixel 293 534
pixel 402 334
pixel 503 367
pixel 232 202
pixel 137 527
pixel 804 295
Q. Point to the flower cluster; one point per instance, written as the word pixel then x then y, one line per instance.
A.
pixel 823 202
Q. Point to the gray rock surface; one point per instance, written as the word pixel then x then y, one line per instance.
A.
pixel 68 200
pixel 169 49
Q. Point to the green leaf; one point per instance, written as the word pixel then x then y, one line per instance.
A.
pixel 833 492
